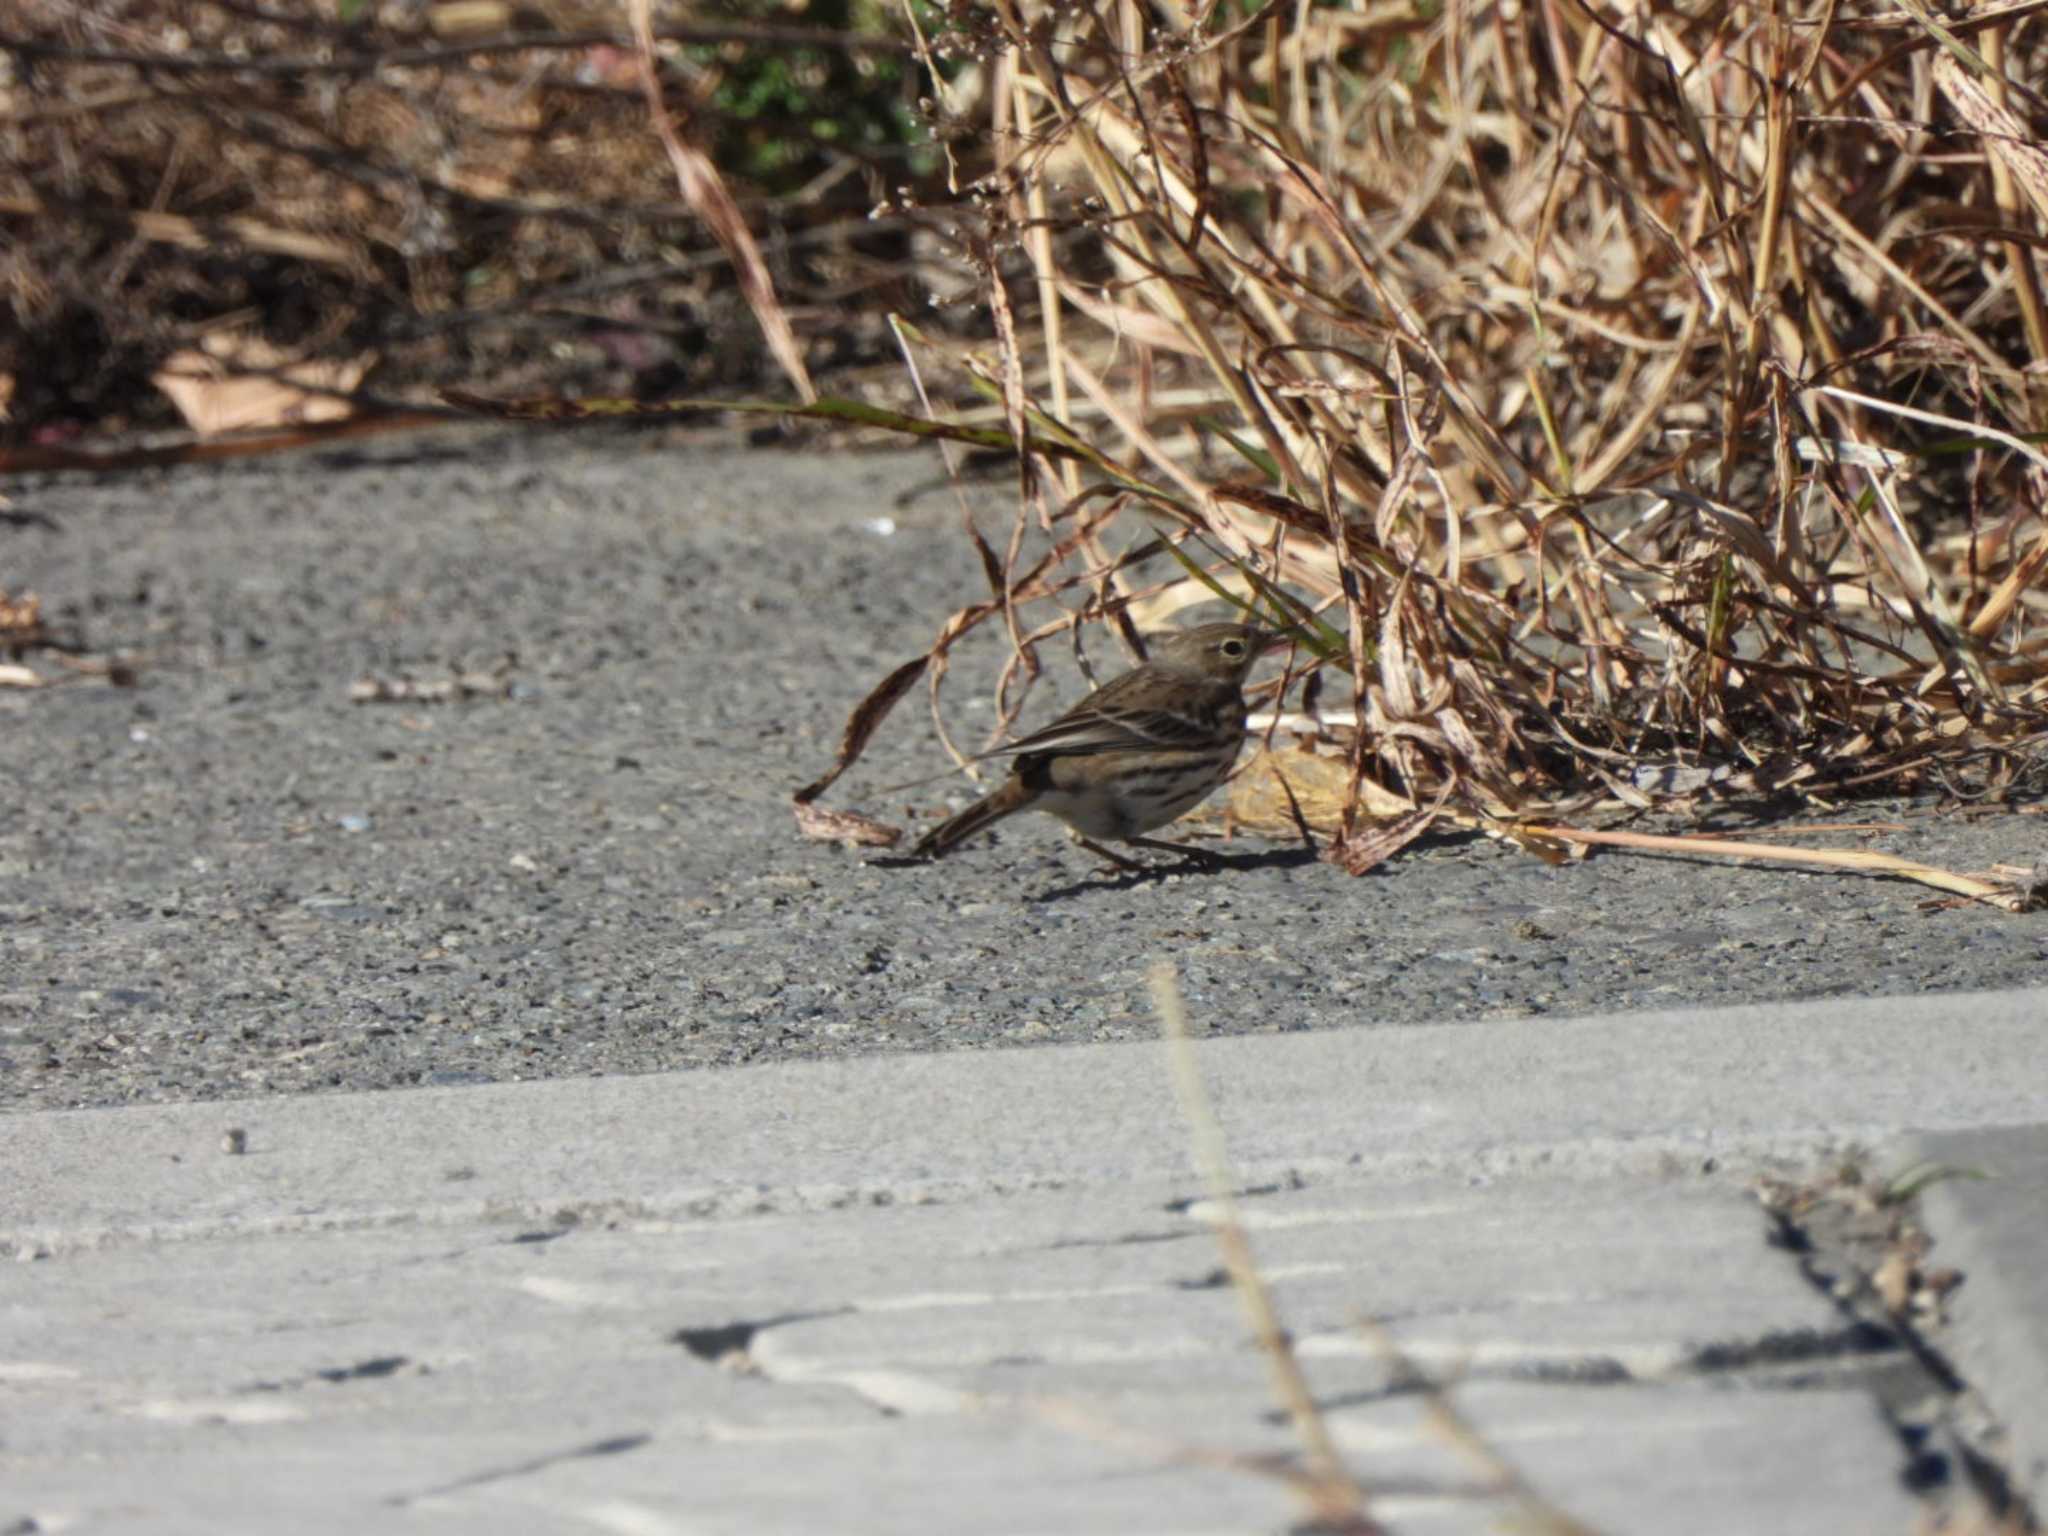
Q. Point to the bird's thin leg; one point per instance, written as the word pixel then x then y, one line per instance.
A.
pixel 1183 850
pixel 1129 866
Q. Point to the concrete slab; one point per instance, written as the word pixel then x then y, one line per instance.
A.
pixel 1995 1230
pixel 929 1294
pixel 1057 1361
pixel 1672 1091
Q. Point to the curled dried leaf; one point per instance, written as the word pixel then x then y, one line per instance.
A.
pixel 815 821
pixel 825 825
pixel 1360 850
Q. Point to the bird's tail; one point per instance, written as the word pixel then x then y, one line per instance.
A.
pixel 985 812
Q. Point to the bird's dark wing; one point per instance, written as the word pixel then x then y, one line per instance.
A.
pixel 1101 723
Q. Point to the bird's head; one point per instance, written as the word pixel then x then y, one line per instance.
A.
pixel 1222 651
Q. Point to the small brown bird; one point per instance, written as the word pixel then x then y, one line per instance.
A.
pixel 1140 751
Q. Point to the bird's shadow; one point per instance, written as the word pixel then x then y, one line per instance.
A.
pixel 1206 864
pixel 1107 879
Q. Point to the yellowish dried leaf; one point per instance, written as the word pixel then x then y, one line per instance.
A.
pixel 233 383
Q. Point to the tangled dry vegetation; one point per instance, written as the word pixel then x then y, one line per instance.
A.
pixel 1651 395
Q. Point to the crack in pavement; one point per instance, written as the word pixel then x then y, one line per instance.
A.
pixel 615 1445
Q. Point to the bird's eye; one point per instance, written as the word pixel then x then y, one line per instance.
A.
pixel 1233 648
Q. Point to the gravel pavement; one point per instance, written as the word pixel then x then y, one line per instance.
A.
pixel 232 880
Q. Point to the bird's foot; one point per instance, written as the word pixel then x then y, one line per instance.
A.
pixel 1186 857
pixel 1188 853
pixel 1128 866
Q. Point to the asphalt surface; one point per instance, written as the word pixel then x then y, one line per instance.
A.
pixel 230 879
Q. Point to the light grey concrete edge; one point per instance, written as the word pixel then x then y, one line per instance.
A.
pixel 1994 1229
pixel 1637 1092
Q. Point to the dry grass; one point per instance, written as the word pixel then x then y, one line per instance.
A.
pixel 1336 1503
pixel 1647 396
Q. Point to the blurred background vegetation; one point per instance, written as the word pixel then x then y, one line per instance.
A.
pixel 417 194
